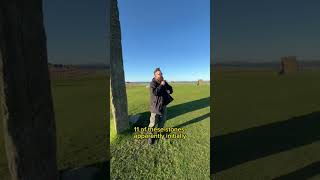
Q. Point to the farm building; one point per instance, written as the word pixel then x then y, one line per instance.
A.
pixel 289 64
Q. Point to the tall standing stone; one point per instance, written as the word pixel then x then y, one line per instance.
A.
pixel 117 81
pixel 26 102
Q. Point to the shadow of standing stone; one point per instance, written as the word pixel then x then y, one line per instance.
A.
pixel 84 173
pixel 134 119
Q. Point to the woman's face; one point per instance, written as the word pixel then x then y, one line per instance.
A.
pixel 158 76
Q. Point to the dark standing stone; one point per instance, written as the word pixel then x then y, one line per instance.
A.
pixel 118 86
pixel 26 102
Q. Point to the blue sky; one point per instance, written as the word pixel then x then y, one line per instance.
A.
pixel 251 30
pixel 171 34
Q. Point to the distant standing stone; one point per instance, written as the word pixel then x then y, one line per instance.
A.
pixel 289 65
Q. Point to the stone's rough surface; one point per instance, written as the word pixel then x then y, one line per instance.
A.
pixel 26 102
pixel 117 80
pixel 289 65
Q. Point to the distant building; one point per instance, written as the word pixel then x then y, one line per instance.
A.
pixel 289 64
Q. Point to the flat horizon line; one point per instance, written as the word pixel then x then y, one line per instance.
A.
pixel 168 81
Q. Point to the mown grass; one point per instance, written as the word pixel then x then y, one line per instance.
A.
pixel 172 159
pixel 266 125
pixel 81 121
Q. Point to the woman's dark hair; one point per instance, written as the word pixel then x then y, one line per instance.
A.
pixel 157 69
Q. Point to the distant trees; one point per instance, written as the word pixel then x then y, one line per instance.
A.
pixel 58 65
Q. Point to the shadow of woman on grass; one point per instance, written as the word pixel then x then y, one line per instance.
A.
pixel 176 110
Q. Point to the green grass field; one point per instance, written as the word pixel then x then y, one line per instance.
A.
pixel 266 126
pixel 80 113
pixel 172 159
